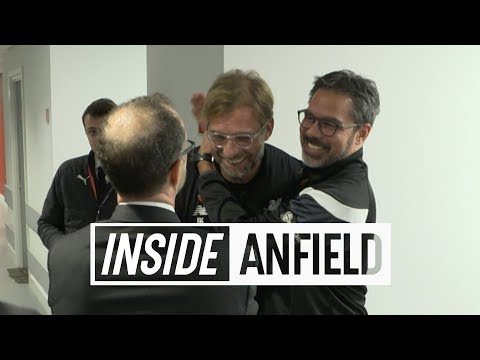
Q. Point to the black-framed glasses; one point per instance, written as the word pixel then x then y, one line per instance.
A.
pixel 189 147
pixel 327 127
pixel 242 141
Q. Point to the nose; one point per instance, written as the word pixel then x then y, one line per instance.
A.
pixel 230 150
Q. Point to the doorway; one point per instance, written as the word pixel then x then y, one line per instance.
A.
pixel 15 102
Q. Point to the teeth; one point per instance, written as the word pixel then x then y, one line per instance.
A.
pixel 235 162
pixel 313 147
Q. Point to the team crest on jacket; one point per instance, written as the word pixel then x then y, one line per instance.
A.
pixel 287 217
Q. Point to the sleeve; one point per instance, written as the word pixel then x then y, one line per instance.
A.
pixel 223 207
pixel 51 223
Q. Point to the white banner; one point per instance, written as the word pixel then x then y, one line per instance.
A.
pixel 240 254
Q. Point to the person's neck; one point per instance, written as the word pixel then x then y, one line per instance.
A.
pixel 163 197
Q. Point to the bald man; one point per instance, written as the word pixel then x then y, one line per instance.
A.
pixel 143 149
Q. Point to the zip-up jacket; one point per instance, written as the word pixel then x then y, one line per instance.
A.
pixel 71 203
pixel 340 192
pixel 278 175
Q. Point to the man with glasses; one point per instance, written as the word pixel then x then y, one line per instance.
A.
pixel 144 150
pixel 340 114
pixel 238 112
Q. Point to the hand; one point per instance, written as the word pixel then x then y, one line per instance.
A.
pixel 197 100
pixel 206 148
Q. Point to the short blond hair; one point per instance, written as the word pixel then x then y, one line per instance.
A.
pixel 236 88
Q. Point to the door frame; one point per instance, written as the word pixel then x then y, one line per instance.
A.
pixel 18 185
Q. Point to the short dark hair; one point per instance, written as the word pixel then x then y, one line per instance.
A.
pixel 141 141
pixel 98 108
pixel 362 91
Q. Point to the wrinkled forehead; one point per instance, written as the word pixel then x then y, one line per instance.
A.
pixel 242 119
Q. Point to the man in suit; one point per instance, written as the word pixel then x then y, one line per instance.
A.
pixel 144 150
pixel 80 192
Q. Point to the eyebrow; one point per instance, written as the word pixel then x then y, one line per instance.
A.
pixel 325 118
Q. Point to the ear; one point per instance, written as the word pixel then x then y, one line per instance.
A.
pixel 269 129
pixel 175 172
pixel 363 133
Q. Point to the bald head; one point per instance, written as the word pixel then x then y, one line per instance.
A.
pixel 142 139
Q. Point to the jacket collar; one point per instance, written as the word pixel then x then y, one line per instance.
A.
pixel 315 175
pixel 143 214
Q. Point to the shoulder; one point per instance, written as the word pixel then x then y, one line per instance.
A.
pixel 71 247
pixel 74 163
pixel 345 196
pixel 277 157
pixel 349 184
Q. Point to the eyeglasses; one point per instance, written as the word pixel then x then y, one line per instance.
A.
pixel 243 141
pixel 190 146
pixel 326 127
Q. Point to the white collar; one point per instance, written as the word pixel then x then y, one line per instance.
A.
pixel 97 165
pixel 150 203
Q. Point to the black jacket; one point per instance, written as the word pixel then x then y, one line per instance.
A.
pixel 337 193
pixel 69 270
pixel 71 203
pixel 7 308
pixel 278 175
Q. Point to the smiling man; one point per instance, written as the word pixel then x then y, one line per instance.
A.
pixel 238 112
pixel 340 114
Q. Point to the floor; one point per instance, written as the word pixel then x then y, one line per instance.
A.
pixel 11 291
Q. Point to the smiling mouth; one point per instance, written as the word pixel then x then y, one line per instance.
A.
pixel 234 162
pixel 313 146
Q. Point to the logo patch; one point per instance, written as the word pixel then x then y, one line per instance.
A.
pixel 274 204
pixel 287 217
pixel 83 179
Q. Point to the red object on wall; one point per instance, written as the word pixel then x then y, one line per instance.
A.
pixel 3 177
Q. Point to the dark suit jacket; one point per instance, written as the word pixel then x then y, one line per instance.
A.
pixel 70 291
pixel 7 308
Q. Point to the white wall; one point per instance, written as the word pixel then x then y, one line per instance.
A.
pixel 422 156
pixel 64 79
pixel 180 70
pixel 35 62
pixel 81 74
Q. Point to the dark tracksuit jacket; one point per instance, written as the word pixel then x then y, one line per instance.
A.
pixel 337 193
pixel 278 175
pixel 71 203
